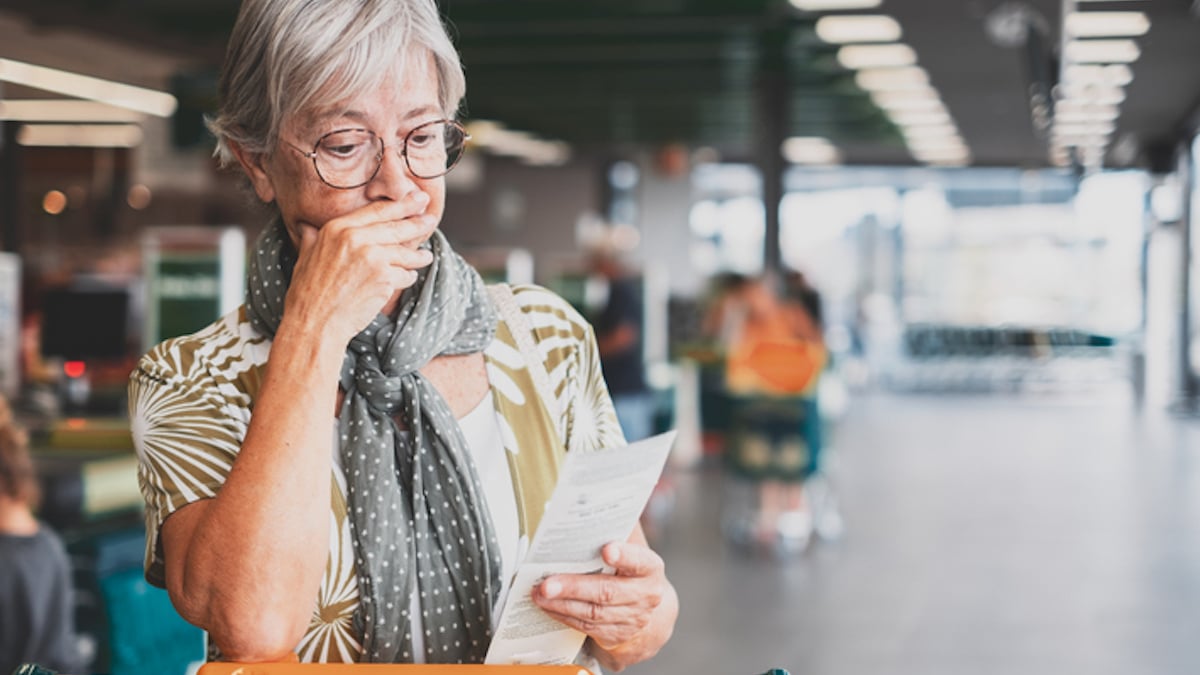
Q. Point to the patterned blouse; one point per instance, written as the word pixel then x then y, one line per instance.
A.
pixel 191 399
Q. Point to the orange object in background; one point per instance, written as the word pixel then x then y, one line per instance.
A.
pixel 783 367
pixel 217 668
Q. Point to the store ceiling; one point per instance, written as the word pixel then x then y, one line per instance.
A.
pixel 617 74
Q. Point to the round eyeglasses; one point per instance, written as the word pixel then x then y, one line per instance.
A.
pixel 350 158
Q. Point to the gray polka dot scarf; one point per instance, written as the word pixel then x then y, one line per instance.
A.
pixel 417 511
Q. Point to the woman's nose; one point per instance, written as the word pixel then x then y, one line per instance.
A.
pixel 394 179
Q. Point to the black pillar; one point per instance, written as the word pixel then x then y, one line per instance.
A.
pixel 1185 170
pixel 10 188
pixel 773 113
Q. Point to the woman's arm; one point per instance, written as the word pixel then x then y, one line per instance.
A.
pixel 247 564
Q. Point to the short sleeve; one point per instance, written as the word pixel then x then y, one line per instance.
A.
pixel 567 343
pixel 593 399
pixel 186 440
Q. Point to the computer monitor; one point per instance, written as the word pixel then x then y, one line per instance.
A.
pixel 85 323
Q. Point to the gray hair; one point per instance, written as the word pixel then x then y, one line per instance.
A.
pixel 289 57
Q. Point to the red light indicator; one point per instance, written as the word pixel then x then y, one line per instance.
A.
pixel 74 368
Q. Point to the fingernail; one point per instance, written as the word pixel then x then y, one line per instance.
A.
pixel 551 589
pixel 614 554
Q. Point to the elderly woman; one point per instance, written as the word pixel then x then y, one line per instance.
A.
pixel 350 466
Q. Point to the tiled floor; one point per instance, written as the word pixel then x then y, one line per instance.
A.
pixel 984 535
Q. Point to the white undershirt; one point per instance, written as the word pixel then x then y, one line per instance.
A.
pixel 481 429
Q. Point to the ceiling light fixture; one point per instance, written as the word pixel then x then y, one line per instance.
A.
pixel 937 145
pixel 892 79
pixel 929 131
pixel 1081 108
pixel 1091 94
pixel 1087 130
pixel 1116 75
pixel 833 5
pixel 80 135
pixel 856 57
pixel 1084 116
pixel 915 103
pixel 907 118
pixel 1102 51
pixel 121 95
pixel 854 28
pixel 810 150
pixel 498 140
pixel 61 110
pixel 1107 24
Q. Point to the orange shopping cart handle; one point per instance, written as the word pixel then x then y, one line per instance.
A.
pixel 224 668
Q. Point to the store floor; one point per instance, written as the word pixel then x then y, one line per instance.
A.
pixel 983 535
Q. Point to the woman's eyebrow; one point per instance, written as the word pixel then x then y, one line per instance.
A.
pixel 361 117
pixel 422 110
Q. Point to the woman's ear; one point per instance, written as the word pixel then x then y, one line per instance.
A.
pixel 253 164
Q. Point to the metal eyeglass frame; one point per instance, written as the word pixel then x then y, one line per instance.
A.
pixel 383 148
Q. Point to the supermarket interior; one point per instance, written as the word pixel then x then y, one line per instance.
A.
pixel 913 283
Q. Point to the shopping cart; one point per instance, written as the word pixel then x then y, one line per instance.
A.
pixel 772 449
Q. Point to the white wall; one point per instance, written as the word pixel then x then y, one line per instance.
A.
pixel 663 204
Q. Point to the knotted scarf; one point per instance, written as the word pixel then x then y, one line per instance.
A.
pixel 416 508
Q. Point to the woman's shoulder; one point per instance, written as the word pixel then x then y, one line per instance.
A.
pixel 228 344
pixel 546 308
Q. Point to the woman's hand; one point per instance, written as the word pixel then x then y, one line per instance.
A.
pixel 627 616
pixel 352 266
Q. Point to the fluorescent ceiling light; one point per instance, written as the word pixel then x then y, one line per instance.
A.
pixel 1087 130
pixel 954 158
pixel 934 143
pixel 892 79
pixel 1084 116
pixel 906 118
pixel 895 103
pixel 1082 130
pixel 1107 24
pixel 939 152
pixel 522 145
pixel 121 95
pixel 858 28
pixel 833 5
pixel 810 150
pixel 61 110
pixel 856 57
pixel 548 153
pixel 1102 51
pixel 1072 109
pixel 80 135
pixel 1091 94
pixel 1116 75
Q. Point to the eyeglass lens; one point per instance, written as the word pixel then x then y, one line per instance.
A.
pixel 351 157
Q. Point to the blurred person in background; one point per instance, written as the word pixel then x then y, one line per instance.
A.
pixel 619 338
pixel 37 622
pixel 811 322
pixel 350 466
pixel 774 353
